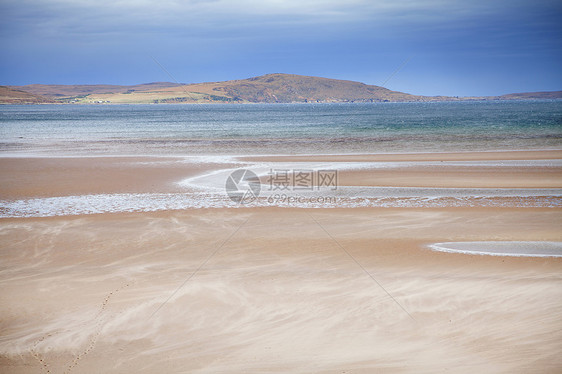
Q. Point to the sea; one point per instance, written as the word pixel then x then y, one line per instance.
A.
pixel 256 129
pixel 218 134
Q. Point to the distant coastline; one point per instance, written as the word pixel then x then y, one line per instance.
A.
pixel 270 88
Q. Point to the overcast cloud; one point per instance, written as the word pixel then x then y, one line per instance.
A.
pixel 456 47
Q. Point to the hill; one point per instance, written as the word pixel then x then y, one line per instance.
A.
pixel 59 91
pixel 532 95
pixel 288 88
pixel 11 96
pixel 270 88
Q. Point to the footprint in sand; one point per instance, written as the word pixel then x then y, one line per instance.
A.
pixel 91 344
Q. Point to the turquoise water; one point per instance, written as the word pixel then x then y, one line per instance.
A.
pixel 279 128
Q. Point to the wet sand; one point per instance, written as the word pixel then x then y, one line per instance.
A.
pixel 451 176
pixel 43 177
pixel 268 289
pixel 51 177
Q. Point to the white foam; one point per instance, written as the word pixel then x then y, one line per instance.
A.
pixel 150 202
pixel 502 248
pixel 208 191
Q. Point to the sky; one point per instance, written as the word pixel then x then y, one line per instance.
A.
pixel 424 47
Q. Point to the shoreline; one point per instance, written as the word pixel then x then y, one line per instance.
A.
pixel 429 100
pixel 513 154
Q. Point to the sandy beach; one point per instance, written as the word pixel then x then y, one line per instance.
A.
pixel 279 289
